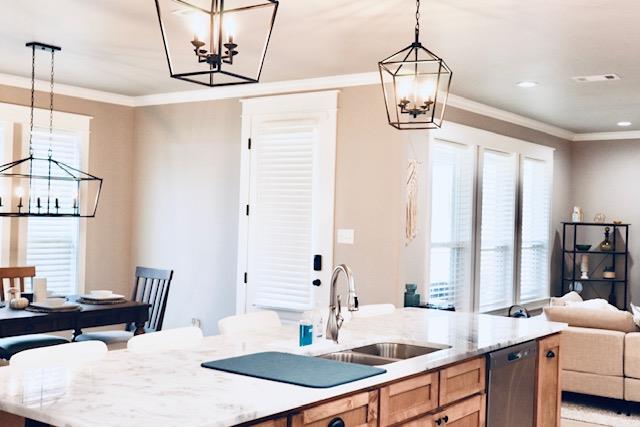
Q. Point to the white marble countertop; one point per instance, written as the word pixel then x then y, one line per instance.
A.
pixel 171 389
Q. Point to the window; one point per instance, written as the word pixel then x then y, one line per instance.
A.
pixel 536 212
pixel 496 230
pixel 52 243
pixel 489 219
pixel 451 223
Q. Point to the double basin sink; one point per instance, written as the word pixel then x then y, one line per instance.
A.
pixel 382 353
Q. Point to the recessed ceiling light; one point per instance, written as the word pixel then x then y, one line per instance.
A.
pixel 624 124
pixel 527 84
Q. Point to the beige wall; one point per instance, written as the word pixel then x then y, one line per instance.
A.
pixel 108 256
pixel 605 177
pixel 170 197
pixel 371 169
pixel 185 212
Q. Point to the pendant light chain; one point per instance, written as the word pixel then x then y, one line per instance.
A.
pixel 50 152
pixel 417 20
pixel 33 97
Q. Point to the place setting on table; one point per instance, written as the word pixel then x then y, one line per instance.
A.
pixel 43 301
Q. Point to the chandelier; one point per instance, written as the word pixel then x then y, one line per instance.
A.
pixel 40 185
pixel 415 84
pixel 201 41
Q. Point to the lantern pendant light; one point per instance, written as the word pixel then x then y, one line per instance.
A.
pixel 40 185
pixel 415 84
pixel 201 41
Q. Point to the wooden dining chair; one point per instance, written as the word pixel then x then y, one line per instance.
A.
pixel 151 286
pixel 17 276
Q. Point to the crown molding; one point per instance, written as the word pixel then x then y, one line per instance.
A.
pixel 304 85
pixel 259 89
pixel 506 116
pixel 69 90
pixel 607 136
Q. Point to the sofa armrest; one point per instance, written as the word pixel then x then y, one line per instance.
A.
pixel 596 351
pixel 632 355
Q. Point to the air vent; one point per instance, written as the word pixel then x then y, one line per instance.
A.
pixel 596 78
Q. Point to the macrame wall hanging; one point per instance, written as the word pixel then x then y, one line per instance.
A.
pixel 411 208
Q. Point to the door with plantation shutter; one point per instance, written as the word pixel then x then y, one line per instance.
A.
pixel 289 173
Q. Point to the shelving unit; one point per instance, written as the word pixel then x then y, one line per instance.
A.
pixel 620 257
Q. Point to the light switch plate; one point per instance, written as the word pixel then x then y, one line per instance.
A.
pixel 345 236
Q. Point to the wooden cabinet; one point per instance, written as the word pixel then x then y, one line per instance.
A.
pixel 408 398
pixel 276 422
pixel 548 387
pixel 462 380
pixel 356 410
pixel 467 413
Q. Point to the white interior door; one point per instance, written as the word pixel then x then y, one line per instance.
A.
pixel 289 176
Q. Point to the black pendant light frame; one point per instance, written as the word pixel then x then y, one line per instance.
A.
pixel 49 206
pixel 415 57
pixel 217 61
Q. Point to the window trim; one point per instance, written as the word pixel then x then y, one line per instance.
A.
pixel 17 118
pixel 480 140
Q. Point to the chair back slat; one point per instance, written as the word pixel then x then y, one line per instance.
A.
pixel 15 275
pixel 151 286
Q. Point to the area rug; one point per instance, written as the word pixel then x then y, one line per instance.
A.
pixel 598 411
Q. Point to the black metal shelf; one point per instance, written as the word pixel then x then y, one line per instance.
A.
pixel 597 224
pixel 568 251
pixel 619 257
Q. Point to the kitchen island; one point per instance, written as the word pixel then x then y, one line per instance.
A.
pixel 172 389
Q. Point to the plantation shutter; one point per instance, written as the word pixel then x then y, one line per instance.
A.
pixel 281 214
pixel 451 223
pixel 536 211
pixel 497 230
pixel 52 243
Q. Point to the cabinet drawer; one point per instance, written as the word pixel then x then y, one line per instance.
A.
pixel 408 398
pixel 358 410
pixel 462 380
pixel 468 413
pixel 278 422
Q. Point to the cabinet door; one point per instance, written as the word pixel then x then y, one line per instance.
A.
pixel 353 411
pixel 548 388
pixel 408 398
pixel 468 413
pixel 462 380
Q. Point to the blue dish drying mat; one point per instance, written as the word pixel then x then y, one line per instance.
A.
pixel 294 369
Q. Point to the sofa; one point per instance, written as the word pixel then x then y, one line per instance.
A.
pixel 601 348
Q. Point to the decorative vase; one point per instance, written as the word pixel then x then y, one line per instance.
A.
pixel 584 267
pixel 606 245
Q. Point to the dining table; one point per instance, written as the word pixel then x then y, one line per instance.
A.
pixel 25 322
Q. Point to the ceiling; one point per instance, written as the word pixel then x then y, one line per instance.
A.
pixel 115 46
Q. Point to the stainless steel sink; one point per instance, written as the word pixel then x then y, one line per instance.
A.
pixel 382 353
pixel 351 357
pixel 398 351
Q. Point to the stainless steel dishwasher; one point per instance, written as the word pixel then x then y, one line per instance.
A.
pixel 511 388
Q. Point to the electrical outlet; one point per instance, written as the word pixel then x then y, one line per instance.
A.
pixel 196 322
pixel 346 236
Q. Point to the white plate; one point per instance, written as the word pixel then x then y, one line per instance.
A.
pixel 48 306
pixel 102 298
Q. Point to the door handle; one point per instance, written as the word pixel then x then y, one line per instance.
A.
pixel 439 421
pixel 317 282
pixel 317 263
pixel 336 422
pixel 551 354
pixel 446 419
